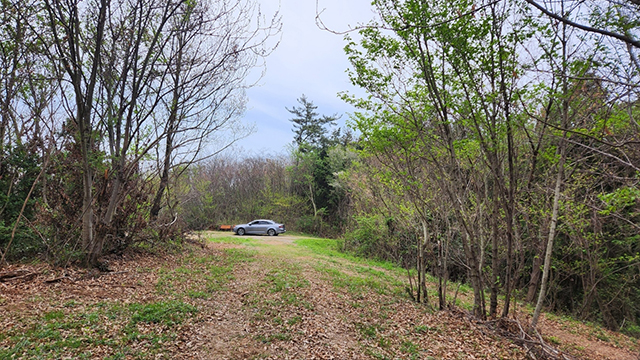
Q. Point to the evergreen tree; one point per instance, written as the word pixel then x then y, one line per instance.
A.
pixel 309 126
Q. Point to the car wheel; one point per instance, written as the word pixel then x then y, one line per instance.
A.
pixel 271 232
pixel 240 231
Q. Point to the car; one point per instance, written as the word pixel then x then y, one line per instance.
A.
pixel 259 227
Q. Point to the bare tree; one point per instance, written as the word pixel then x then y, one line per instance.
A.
pixel 80 61
pixel 207 80
pixel 147 76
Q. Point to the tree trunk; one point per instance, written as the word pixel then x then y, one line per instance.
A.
pixel 493 305
pixel 164 179
pixel 508 277
pixel 92 249
pixel 552 234
pixel 171 127
pixel 558 185
pixel 479 309
pixel 535 278
pixel 442 271
pixel 422 280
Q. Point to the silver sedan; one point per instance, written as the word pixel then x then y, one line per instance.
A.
pixel 260 227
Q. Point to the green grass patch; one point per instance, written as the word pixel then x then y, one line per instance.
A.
pixel 408 347
pixel 167 313
pixel 205 274
pixel 198 294
pixel 279 280
pixel 554 340
pixel 285 280
pixel 279 336
pixel 53 315
pixel 368 330
pixel 235 256
pixel 423 329
pixel 355 285
pixel 75 332
pixel 329 248
pixel 294 320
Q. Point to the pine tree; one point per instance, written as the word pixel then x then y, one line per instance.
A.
pixel 309 126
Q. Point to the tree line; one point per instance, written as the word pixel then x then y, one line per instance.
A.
pixel 301 189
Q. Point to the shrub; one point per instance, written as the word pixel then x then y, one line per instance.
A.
pixel 369 238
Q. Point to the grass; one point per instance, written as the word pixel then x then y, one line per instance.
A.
pixel 268 339
pixel 553 340
pixel 205 274
pixel 284 276
pixel 367 330
pixel 423 329
pixel 409 348
pixel 236 240
pixel 279 296
pixel 329 248
pixel 167 313
pixel 357 275
pixel 355 285
pixel 73 334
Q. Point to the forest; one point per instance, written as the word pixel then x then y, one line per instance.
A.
pixel 498 144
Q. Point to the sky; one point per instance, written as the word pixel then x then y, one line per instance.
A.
pixel 308 61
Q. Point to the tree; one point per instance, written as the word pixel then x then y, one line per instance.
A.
pixel 80 62
pixel 309 126
pixel 146 77
pixel 596 18
pixel 447 74
pixel 24 111
pixel 207 77
pixel 230 190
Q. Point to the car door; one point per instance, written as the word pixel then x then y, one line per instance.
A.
pixel 261 227
pixel 252 227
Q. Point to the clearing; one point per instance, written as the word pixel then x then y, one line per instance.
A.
pixel 255 297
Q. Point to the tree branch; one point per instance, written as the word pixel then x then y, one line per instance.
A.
pixel 552 15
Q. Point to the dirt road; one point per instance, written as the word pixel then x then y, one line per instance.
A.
pixel 283 238
pixel 249 297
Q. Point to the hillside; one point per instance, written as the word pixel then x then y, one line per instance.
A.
pixel 254 298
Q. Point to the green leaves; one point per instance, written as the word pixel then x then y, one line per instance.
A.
pixel 619 199
pixel 308 126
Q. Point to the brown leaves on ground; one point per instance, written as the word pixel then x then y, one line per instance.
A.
pixel 253 302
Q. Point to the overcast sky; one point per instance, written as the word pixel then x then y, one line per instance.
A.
pixel 308 61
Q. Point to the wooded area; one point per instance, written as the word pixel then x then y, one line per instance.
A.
pixel 511 140
pixel 104 104
pixel 499 143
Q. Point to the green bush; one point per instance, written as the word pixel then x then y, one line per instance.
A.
pixel 369 238
pixel 19 168
pixel 632 330
pixel 25 245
